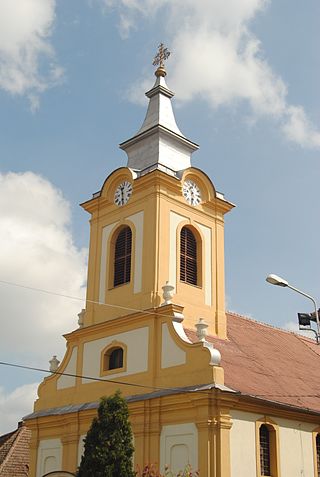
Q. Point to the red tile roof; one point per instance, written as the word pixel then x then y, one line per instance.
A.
pixel 14 453
pixel 269 363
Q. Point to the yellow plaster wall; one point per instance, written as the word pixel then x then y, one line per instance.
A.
pixel 202 412
pixel 196 369
pixel 156 195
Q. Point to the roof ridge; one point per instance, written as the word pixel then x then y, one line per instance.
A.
pixel 6 436
pixel 269 325
pixel 14 434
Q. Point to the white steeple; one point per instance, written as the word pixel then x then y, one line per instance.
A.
pixel 159 143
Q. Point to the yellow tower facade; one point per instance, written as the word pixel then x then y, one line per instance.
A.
pixel 161 198
pixel 155 291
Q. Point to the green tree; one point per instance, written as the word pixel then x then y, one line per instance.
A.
pixel 108 447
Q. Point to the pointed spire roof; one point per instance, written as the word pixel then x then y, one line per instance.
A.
pixel 159 143
pixel 160 108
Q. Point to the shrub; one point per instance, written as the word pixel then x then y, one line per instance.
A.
pixel 108 448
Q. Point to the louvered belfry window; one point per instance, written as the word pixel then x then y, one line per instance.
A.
pixel 122 257
pixel 188 257
pixel 264 436
pixel 318 453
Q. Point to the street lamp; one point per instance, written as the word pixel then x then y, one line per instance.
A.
pixel 281 282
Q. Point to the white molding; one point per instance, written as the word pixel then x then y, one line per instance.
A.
pixel 171 354
pixel 71 368
pixel 137 220
pixel 49 448
pixel 104 265
pixel 179 447
pixel 175 220
pixel 178 326
pixel 207 278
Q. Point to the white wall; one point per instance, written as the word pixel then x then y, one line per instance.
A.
pixel 171 354
pixel 243 444
pixel 71 368
pixel 296 448
pixel 137 353
pixel 295 442
pixel 179 447
pixel 49 456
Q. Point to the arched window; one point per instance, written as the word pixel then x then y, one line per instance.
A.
pixel 318 454
pixel 113 359
pixel 122 257
pixel 188 257
pixel 264 439
pixel 267 453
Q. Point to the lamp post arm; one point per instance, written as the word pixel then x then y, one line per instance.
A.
pixel 313 301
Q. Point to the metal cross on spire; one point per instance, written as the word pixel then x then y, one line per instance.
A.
pixel 162 55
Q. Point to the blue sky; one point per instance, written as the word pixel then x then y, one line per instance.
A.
pixel 72 82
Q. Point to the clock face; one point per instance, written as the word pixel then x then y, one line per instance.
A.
pixel 123 193
pixel 191 192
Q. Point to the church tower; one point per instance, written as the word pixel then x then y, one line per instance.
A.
pixel 155 293
pixel 159 220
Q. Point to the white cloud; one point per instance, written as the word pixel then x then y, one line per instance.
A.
pixel 37 250
pixel 298 127
pixel 294 326
pixel 219 59
pixel 15 405
pixel 27 58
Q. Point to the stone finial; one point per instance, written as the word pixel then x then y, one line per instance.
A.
pixel 81 317
pixel 54 364
pixel 201 327
pixel 167 293
pixel 215 355
pixel 202 332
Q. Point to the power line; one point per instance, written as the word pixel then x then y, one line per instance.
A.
pixel 154 388
pixel 49 292
pixel 91 378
